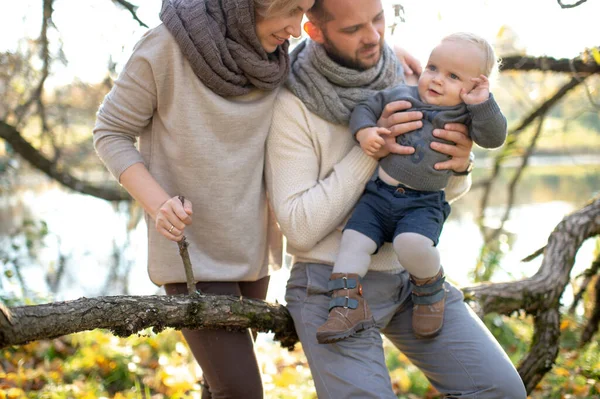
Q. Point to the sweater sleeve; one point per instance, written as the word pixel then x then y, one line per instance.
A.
pixel 488 126
pixel 307 206
pixel 367 113
pixel 126 110
pixel 457 187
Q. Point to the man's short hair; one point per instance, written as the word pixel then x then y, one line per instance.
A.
pixel 318 14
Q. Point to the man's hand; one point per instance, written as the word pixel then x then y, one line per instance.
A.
pixel 458 134
pixel 371 140
pixel 412 67
pixel 479 93
pixel 398 123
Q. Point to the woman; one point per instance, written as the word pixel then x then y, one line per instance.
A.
pixel 198 91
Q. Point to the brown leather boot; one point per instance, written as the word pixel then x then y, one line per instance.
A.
pixel 348 310
pixel 429 299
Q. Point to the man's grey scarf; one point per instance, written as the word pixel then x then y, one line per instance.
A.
pixel 219 40
pixel 331 90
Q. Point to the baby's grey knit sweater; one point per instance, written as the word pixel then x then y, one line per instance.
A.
pixel 487 128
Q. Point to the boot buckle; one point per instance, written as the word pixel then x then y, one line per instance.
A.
pixel 347 302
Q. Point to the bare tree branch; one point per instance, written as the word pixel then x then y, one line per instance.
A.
pixel 127 315
pixel 578 3
pixel 594 321
pixel 511 142
pixel 544 289
pixel 45 56
pixel 587 279
pixel 132 9
pixel 549 64
pixel 534 255
pixel 512 186
pixel 40 162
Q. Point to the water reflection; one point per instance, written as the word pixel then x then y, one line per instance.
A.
pixel 102 256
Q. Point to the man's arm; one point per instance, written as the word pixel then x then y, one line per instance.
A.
pixel 307 207
pixel 412 67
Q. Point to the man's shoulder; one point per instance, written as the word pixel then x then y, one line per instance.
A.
pixel 288 104
pixel 285 96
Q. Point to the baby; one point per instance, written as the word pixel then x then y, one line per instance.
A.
pixel 405 204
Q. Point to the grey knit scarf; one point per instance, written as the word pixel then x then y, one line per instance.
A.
pixel 331 90
pixel 218 39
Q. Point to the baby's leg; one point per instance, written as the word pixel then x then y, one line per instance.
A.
pixel 348 310
pixel 355 253
pixel 421 259
pixel 417 254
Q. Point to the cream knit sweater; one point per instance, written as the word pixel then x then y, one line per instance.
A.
pixel 197 144
pixel 315 173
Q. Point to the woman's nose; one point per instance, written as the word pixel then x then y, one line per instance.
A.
pixel 295 27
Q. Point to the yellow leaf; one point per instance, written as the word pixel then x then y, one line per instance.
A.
pixel 563 372
pixel 501 31
pixel 286 377
pixel 15 393
pixel 400 377
pixel 564 325
pixel 596 55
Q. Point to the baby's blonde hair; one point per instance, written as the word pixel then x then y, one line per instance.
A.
pixel 491 62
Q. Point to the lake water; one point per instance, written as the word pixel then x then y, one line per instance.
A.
pixel 102 256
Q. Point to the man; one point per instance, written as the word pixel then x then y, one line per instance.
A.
pixel 315 174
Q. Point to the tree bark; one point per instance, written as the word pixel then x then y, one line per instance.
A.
pixel 544 289
pixel 549 64
pixel 127 315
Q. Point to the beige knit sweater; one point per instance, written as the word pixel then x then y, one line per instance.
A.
pixel 197 144
pixel 315 174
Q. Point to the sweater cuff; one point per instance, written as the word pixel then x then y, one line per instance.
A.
pixel 117 155
pixel 486 110
pixel 360 165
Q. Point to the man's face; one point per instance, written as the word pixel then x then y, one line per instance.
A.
pixel 354 37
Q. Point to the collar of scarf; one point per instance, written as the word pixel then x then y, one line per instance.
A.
pixel 218 39
pixel 331 90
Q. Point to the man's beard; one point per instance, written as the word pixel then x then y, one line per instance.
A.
pixel 352 63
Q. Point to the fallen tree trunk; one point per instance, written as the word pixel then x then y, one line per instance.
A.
pixel 126 315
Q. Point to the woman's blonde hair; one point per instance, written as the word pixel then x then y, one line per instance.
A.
pixel 491 62
pixel 269 8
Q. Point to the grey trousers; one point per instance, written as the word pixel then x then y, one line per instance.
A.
pixel 463 361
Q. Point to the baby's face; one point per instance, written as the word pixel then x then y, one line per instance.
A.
pixel 449 69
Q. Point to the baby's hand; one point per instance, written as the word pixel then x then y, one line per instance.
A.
pixel 370 139
pixel 479 93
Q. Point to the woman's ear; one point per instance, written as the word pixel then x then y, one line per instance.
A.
pixel 314 32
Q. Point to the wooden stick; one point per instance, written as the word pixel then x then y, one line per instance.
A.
pixel 187 263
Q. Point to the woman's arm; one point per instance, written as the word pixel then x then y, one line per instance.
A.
pixel 125 112
pixel 164 210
